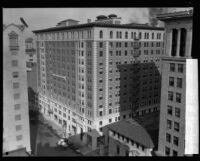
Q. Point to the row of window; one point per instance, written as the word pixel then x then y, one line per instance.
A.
pixel 175 139
pixel 119 52
pixel 171 96
pixel 176 111
pixel 176 125
pixel 179 82
pixel 133 35
pixel 65 35
pixel 168 151
pixel 172 68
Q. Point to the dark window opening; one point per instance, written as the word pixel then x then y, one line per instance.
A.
pixel 174 41
pixel 183 42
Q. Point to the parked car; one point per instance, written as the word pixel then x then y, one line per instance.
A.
pixel 62 143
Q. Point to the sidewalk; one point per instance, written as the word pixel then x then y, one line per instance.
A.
pixel 58 130
pixel 75 139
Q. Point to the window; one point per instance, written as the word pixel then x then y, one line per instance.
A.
pixel 125 52
pixel 111 34
pixel 14 63
pixel 126 44
pixel 179 82
pixel 110 120
pixel 118 149
pixel 152 35
pixel 168 138
pixel 172 67
pixel 16 96
pixel 140 35
pixel 17 106
pixel 182 42
pixel 100 122
pixel 126 35
pixel 13 38
pixel 171 81
pixel 176 140
pixel 15 85
pixel 169 110
pixel 175 153
pixel 15 74
pixel 17 117
pixel 170 96
pixel 177 112
pixel 100 113
pixel 18 127
pixel 101 44
pixel 176 126
pixel 178 97
pixel 169 124
pixel 180 68
pixel 19 137
pixel 110 111
pixel 167 151
pixel 101 53
pixel 101 34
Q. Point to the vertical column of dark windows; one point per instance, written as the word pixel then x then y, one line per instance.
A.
pixel 183 42
pixel 174 41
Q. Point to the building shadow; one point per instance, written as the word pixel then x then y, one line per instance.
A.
pixel 139 95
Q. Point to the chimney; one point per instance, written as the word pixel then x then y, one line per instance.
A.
pixel 89 20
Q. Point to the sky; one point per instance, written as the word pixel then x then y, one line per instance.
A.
pixel 39 18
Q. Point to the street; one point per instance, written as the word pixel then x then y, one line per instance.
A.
pixel 43 142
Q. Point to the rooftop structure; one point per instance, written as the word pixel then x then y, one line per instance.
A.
pixel 132 130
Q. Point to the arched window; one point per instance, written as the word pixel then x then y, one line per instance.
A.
pixel 111 34
pixel 13 38
pixel 101 34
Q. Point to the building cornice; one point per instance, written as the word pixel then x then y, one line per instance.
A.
pixel 104 25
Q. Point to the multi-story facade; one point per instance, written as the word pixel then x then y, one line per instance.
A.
pixel 179 130
pixel 16 130
pixel 127 138
pixel 90 75
pixel 30 53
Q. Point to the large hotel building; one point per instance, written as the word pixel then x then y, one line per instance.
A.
pixel 179 112
pixel 93 74
pixel 16 130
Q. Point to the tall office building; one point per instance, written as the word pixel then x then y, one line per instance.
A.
pixel 16 130
pixel 179 130
pixel 93 74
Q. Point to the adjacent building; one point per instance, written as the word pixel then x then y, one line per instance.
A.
pixel 179 113
pixel 16 130
pixel 93 74
pixel 127 138
pixel 31 58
